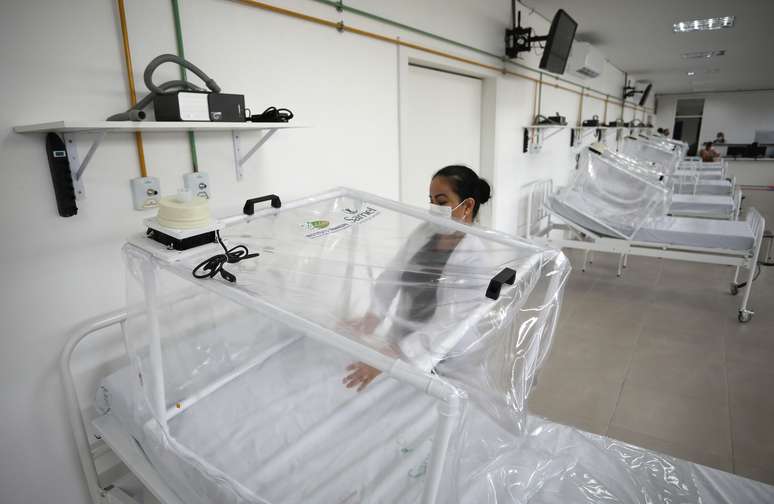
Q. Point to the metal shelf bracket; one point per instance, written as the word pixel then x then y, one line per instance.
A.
pixel 78 166
pixel 239 159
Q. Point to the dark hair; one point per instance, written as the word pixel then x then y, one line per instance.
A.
pixel 708 144
pixel 466 184
pixel 660 130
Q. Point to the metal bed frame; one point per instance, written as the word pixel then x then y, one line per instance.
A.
pixel 539 227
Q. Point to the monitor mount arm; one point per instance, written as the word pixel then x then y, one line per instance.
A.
pixel 518 39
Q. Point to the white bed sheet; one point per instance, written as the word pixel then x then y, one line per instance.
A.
pixel 704 204
pixel 697 232
pixel 298 435
pixel 679 231
pixel 313 454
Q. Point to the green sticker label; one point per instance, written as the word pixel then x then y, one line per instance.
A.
pixel 315 224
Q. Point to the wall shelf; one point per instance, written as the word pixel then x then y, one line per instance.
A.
pixel 536 134
pixel 71 129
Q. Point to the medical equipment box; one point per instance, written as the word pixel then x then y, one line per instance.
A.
pixel 199 106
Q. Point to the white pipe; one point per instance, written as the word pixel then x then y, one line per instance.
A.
pixel 159 400
pixel 227 378
pixel 448 419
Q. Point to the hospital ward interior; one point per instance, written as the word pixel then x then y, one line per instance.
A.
pixel 405 252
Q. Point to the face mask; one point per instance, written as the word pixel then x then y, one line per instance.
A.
pixel 442 210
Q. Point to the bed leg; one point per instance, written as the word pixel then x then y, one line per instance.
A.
pixel 620 264
pixel 745 314
pixel 585 260
pixel 626 260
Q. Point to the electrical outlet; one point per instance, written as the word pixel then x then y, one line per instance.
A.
pixel 146 192
pixel 198 183
pixel 535 148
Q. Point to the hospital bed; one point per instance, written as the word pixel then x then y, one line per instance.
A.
pixel 234 395
pixel 548 461
pixel 690 204
pixel 609 209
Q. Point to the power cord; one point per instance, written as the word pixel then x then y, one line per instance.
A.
pixel 272 114
pixel 214 264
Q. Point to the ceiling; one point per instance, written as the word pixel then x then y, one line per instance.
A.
pixel 637 37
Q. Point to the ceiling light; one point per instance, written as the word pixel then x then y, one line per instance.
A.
pixel 704 54
pixel 691 74
pixel 704 24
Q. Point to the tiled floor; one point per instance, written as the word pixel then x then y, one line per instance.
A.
pixel 657 358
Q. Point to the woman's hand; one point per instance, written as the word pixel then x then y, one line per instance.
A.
pixel 361 375
pixel 364 325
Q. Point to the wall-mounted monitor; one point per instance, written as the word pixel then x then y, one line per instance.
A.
pixel 645 94
pixel 558 43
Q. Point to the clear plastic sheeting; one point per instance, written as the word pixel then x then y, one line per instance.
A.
pixel 643 169
pixel 237 392
pixel 609 199
pixel 662 157
pixel 677 145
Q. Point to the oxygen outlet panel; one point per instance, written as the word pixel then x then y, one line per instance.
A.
pixel 146 192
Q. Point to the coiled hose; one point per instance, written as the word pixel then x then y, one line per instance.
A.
pixel 136 112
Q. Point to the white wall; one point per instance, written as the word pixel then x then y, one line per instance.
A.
pixel 738 115
pixel 62 60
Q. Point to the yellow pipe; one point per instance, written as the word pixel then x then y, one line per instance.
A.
pixel 130 80
pixel 376 36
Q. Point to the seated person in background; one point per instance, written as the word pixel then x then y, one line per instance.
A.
pixel 708 154
pixel 720 138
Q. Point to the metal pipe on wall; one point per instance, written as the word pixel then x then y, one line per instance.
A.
pixel 183 76
pixel 341 27
pixel 130 81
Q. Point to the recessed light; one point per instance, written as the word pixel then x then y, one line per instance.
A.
pixel 704 24
pixel 704 54
pixel 691 74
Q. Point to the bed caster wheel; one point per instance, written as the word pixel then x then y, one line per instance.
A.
pixel 745 316
pixel 734 289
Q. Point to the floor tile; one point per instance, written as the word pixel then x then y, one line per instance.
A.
pixel 698 424
pixel 679 318
pixel 678 450
pixel 752 429
pixel 696 346
pixel 585 400
pixel 679 368
pixel 751 383
pixel 756 469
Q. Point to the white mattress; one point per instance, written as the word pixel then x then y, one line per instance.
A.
pixel 679 231
pixel 275 425
pixel 289 431
pixel 702 204
pixel 721 187
pixel 696 232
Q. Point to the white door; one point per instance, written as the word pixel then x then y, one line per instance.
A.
pixel 442 127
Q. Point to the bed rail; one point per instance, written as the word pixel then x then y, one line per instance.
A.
pixel 77 423
pixel 538 192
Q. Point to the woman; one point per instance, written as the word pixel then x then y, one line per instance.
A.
pixel 413 276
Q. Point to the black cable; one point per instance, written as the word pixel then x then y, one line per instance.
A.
pixel 272 114
pixel 214 264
